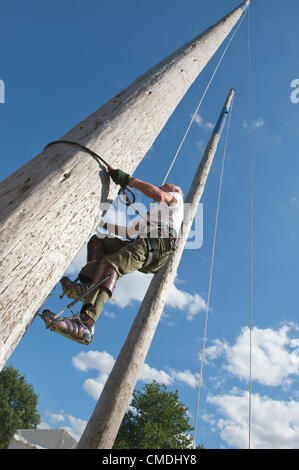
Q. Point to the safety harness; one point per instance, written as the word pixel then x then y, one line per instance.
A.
pixel 153 246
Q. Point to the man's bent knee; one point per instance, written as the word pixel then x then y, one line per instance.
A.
pixel 95 249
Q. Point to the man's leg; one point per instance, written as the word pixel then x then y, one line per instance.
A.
pixel 131 257
pixel 128 259
pixel 94 302
pixel 97 250
pixel 94 248
pixel 81 329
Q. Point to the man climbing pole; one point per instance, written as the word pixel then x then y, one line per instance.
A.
pixel 110 258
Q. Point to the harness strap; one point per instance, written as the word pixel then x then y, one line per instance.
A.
pixel 153 250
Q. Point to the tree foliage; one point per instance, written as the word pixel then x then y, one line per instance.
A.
pixel 18 404
pixel 155 420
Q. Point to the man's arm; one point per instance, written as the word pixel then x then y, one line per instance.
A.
pixel 148 189
pixel 152 191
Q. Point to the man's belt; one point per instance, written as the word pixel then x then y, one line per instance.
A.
pixel 158 231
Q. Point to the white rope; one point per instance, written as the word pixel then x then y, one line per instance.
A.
pixel 202 98
pixel 211 274
pixel 195 113
pixel 251 224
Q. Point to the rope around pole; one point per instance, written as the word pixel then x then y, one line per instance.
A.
pixel 251 225
pixel 211 274
pixel 202 98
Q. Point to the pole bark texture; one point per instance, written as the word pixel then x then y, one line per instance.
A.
pixel 103 426
pixel 50 206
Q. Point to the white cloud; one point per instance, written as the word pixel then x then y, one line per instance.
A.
pixel 259 122
pixel 200 145
pixel 103 363
pixel 274 424
pixel 275 355
pixel 202 123
pixel 199 120
pixel 148 374
pixel 275 363
pixel 216 350
pixel 186 377
pixel 100 361
pixel 43 425
pixel 109 314
pixel 94 387
pixel 134 286
pixel 55 418
pixel 131 288
pixel 191 303
pixel 76 427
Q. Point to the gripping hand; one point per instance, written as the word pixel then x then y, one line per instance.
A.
pixel 120 177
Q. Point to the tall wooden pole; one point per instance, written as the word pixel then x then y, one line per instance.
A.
pixel 49 207
pixel 103 426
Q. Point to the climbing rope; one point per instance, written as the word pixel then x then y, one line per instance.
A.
pixel 211 273
pixel 215 231
pixel 122 194
pixel 98 158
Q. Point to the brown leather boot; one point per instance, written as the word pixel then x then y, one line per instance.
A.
pixel 73 328
pixel 74 289
pixel 102 271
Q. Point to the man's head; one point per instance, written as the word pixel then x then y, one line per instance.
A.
pixel 171 188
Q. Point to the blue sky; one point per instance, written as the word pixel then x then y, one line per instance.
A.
pixel 62 60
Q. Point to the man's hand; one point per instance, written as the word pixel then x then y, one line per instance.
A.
pixel 120 177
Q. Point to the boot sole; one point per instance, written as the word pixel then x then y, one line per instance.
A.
pixel 80 341
pixel 51 326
